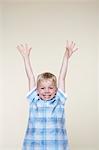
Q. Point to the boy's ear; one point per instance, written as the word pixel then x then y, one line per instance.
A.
pixel 37 91
pixel 56 89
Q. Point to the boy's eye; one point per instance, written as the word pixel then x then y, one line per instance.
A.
pixel 51 87
pixel 42 88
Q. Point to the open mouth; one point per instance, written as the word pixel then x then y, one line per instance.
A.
pixel 46 96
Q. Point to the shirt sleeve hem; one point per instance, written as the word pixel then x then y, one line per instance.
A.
pixel 29 92
pixel 65 94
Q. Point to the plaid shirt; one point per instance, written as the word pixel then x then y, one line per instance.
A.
pixel 46 124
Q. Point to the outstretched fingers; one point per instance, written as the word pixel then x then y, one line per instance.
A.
pixel 24 49
pixel 71 48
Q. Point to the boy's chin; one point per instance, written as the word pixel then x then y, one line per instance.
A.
pixel 47 98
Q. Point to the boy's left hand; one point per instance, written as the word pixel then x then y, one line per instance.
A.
pixel 70 49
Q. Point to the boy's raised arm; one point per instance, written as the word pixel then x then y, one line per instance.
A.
pixel 70 48
pixel 25 52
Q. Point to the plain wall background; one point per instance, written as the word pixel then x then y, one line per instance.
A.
pixel 46 26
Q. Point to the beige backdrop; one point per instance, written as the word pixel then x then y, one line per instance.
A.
pixel 46 26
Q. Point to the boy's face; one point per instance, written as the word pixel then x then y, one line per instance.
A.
pixel 46 89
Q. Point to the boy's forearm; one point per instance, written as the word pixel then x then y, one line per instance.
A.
pixel 63 70
pixel 62 74
pixel 29 72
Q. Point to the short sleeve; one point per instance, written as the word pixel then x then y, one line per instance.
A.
pixel 32 95
pixel 61 96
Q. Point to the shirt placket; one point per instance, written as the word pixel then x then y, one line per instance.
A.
pixel 45 103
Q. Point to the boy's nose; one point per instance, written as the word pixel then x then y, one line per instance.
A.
pixel 46 90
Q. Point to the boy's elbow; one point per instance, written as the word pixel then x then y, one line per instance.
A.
pixel 61 79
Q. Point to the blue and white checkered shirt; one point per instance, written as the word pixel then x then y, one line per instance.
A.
pixel 46 124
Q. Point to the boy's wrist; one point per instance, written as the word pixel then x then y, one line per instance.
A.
pixel 66 56
pixel 26 57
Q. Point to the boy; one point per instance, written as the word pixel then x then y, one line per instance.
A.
pixel 46 124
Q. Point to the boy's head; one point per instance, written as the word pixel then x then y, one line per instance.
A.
pixel 46 85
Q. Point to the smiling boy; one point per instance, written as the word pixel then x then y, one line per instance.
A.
pixel 46 124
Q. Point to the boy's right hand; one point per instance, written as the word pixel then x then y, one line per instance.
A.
pixel 24 50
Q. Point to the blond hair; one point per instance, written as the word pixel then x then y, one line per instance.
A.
pixel 47 76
